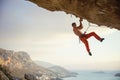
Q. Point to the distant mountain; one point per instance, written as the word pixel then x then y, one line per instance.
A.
pixel 117 74
pixel 61 72
pixel 19 66
pixel 44 64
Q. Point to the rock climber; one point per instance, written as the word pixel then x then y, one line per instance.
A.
pixel 83 36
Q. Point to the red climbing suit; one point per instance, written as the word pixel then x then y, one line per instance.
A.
pixel 84 37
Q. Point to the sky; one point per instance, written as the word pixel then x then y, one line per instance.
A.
pixel 48 36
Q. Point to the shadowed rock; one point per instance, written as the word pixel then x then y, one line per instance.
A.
pixel 3 76
pixel 101 12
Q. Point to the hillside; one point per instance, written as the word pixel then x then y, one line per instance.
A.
pixel 18 65
pixel 44 64
pixel 60 71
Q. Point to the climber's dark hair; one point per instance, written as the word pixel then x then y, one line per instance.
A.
pixel 73 24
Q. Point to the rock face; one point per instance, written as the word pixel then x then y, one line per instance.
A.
pixel 19 66
pixel 3 76
pixel 101 12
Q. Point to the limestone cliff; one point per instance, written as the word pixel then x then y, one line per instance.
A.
pixel 101 12
pixel 17 65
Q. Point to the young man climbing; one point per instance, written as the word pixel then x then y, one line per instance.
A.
pixel 83 36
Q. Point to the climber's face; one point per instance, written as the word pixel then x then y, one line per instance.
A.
pixel 73 24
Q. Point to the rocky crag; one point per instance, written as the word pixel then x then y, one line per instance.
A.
pixel 19 66
pixel 100 12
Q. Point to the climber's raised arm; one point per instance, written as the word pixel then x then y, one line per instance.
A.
pixel 80 26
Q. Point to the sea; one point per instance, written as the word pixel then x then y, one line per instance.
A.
pixel 95 75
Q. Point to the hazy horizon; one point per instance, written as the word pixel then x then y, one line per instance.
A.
pixel 48 36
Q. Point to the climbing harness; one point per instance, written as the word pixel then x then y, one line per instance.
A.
pixel 85 31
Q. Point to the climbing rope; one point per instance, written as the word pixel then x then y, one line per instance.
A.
pixel 87 27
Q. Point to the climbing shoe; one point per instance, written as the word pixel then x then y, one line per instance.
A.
pixel 90 54
pixel 101 39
